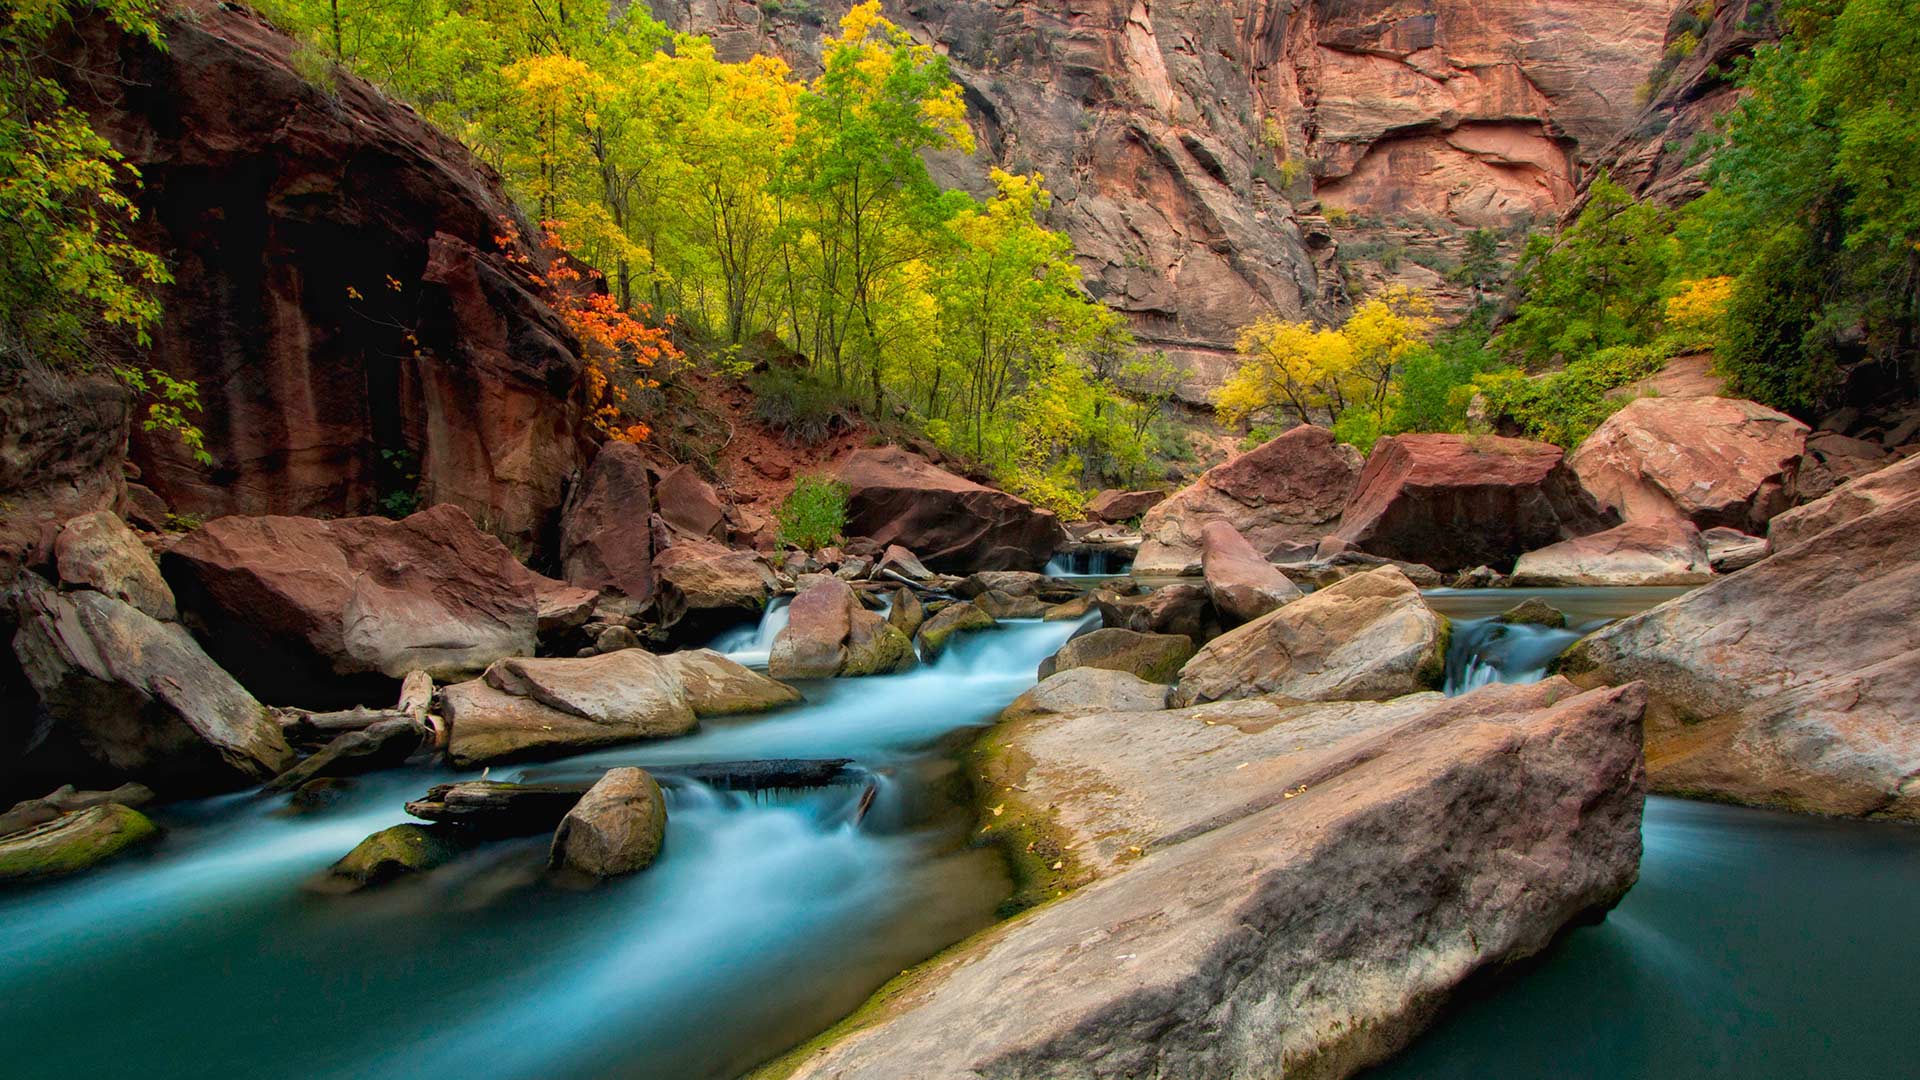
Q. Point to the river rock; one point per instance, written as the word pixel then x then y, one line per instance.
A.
pixel 1072 609
pixel 1171 609
pixel 949 620
pixel 1368 637
pixel 875 646
pixel 1649 552
pixel 1282 496
pixel 1241 583
pixel 65 800
pixel 1116 507
pixel 1454 502
pixel 899 561
pixel 139 697
pixel 390 854
pixel 717 686
pixel 526 707
pixel 1708 460
pixel 496 808
pixel 906 613
pixel 617 828
pixel 97 551
pixel 1015 583
pixel 1791 683
pixel 1338 860
pixel 1534 611
pixel 603 542
pixel 385 745
pixel 813 644
pixel 73 842
pixel 1001 606
pixel 1844 503
pixel 704 587
pixel 1153 657
pixel 1088 689
pixel 312 612
pixel 956 525
pixel 1729 550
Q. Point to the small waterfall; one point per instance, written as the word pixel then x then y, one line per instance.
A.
pixel 1487 651
pixel 1090 562
pixel 751 645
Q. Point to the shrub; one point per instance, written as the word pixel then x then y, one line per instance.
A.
pixel 1564 407
pixel 798 404
pixel 813 515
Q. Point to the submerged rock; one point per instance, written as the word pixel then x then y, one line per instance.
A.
pixel 1707 460
pixel 1340 860
pixel 73 842
pixel 1369 636
pixel 1153 657
pixel 1656 552
pixel 393 853
pixel 617 827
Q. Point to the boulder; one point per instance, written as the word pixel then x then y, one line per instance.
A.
pixel 604 544
pixel 1790 683
pixel 1370 636
pixel 830 633
pixel 1651 552
pixel 393 853
pixel 956 525
pixel 1729 550
pixel 704 587
pixel 525 707
pixel 875 646
pixel 1278 889
pixel 717 686
pixel 1152 657
pixel 137 697
pixel 1337 560
pixel 1171 609
pixel 1001 606
pixel 690 504
pixel 1708 460
pixel 899 561
pixel 1534 611
pixel 72 843
pixel 65 800
pixel 560 607
pixel 1282 496
pixel 312 612
pixel 906 613
pixel 63 439
pixel 1115 507
pixel 1453 502
pixel 1242 584
pixel 1072 609
pixel 1844 503
pixel 949 620
pixel 1088 689
pixel 1015 583
pixel 617 827
pixel 97 551
pixel 385 745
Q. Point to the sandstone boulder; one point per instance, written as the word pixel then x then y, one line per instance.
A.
pixel 311 612
pixel 1114 507
pixel 97 551
pixel 138 697
pixel 948 621
pixel 1534 611
pixel 1015 583
pixel 1282 496
pixel 1171 609
pixel 1453 502
pixel 617 827
pixel 1729 550
pixel 1339 860
pixel 954 524
pixel 525 708
pixel 604 542
pixel 1152 657
pixel 1650 552
pixel 1370 636
pixel 1708 460
pixel 830 633
pixel 72 843
pixel 1790 683
pixel 717 686
pixel 690 504
pixel 704 588
pixel 1001 606
pixel 896 560
pixel 906 612
pixel 1846 502
pixel 1088 689
pixel 1242 584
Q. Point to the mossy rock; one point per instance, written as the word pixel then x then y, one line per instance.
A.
pixel 884 651
pixel 74 842
pixel 1535 612
pixel 1156 658
pixel 393 853
pixel 948 621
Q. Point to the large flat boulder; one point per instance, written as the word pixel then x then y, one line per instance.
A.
pixel 1369 636
pixel 1791 683
pixel 955 525
pixel 1282 496
pixel 1844 503
pixel 604 540
pixel 1270 889
pixel 312 612
pixel 1653 552
pixel 97 551
pixel 1242 584
pixel 1708 460
pixel 137 697
pixel 1454 502
pixel 704 587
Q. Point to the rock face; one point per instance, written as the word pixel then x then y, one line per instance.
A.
pixel 1369 636
pixel 1282 496
pixel 136 697
pixel 1711 461
pixel 1454 502
pixel 604 543
pixel 97 551
pixel 311 612
pixel 1155 658
pixel 1088 689
pixel 1846 502
pixel 1638 553
pixel 617 828
pixel 1791 683
pixel 1242 584
pixel 62 441
pixel 286 210
pixel 953 524
pixel 1348 864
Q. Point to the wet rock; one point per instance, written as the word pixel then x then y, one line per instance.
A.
pixel 1534 611
pixel 601 545
pixel 1729 550
pixel 65 800
pixel 1241 583
pixel 495 808
pixel 1457 501
pixel 1072 609
pixel 312 612
pixel 1152 657
pixel 829 633
pixel 1282 496
pixel 72 842
pixel 949 620
pixel 390 854
pixel 954 524
pixel 97 551
pixel 1001 606
pixel 1088 689
pixel 1651 552
pixel 1481 577
pixel 1845 503
pixel 1116 507
pixel 1368 637
pixel 317 795
pixel 1015 583
pixel 1172 609
pixel 1712 461
pixel 1790 683
pixel 138 697
pixel 384 745
pixel 876 647
pixel 906 613
pixel 617 827
pixel 526 708
pixel 717 686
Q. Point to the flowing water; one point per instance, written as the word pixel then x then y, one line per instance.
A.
pixel 767 917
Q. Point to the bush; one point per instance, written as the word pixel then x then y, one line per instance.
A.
pixel 798 404
pixel 814 514
pixel 1358 426
pixel 1770 345
pixel 1564 407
